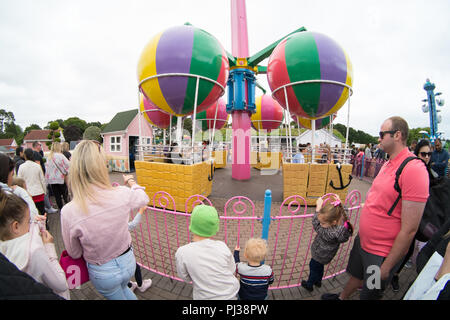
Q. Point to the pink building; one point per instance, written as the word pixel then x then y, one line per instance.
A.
pixel 8 146
pixel 120 138
pixel 40 136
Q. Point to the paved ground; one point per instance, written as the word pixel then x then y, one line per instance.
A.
pixel 224 187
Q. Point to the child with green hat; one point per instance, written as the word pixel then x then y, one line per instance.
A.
pixel 208 263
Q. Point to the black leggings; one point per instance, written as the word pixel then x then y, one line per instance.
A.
pixel 41 207
pixel 137 276
pixel 60 193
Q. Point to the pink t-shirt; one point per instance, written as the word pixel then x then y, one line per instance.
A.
pixel 377 230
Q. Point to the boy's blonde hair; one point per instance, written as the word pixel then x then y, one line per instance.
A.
pixel 256 249
pixel 87 169
pixel 16 181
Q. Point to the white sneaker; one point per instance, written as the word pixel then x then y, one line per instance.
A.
pixel 133 285
pixel 51 210
pixel 145 285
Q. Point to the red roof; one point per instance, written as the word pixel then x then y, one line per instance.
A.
pixel 37 135
pixel 6 142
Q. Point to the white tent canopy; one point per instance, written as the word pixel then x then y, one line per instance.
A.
pixel 320 136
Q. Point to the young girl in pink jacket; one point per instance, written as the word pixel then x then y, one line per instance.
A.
pixel 28 245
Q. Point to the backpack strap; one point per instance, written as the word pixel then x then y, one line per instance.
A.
pixel 396 185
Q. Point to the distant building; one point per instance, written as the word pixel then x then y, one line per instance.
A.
pixel 40 136
pixel 120 138
pixel 8 146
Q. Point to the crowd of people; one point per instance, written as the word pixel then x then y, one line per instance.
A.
pixel 95 227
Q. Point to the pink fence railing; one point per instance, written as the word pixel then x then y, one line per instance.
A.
pixel 163 231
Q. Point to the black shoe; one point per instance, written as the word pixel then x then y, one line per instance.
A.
pixel 306 286
pixel 330 296
pixel 394 283
pixel 318 284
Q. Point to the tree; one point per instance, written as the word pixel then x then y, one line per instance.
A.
pixel 72 133
pixel 92 133
pixel 31 127
pixel 11 130
pixel 355 136
pixel 54 133
pixel 5 117
pixel 75 121
pixel 415 135
pixel 95 124
pixel 59 121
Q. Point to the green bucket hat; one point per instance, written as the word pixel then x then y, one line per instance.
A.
pixel 204 221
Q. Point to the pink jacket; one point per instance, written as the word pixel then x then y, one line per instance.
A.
pixel 102 233
pixel 37 259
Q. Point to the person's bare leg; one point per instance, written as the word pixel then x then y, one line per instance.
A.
pixel 352 285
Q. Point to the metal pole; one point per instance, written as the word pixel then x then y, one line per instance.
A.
pixel 214 127
pixel 141 156
pixel 170 131
pixel 266 219
pixel 194 117
pixel 288 142
pixel 313 133
pixel 348 126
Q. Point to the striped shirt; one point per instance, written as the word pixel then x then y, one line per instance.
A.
pixel 255 280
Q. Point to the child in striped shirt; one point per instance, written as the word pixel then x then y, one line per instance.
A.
pixel 255 277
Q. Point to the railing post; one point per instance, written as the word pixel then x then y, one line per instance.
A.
pixel 362 166
pixel 266 217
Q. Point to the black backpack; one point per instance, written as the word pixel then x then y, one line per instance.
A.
pixel 437 208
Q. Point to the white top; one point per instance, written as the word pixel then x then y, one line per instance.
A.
pixel 33 175
pixel 425 287
pixel 298 158
pixel 37 259
pixel 56 168
pixel 210 265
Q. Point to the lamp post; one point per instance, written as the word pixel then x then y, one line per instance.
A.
pixel 430 107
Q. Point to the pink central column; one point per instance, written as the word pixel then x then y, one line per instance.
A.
pixel 241 123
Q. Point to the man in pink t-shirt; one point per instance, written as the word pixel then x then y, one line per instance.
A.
pixel 383 240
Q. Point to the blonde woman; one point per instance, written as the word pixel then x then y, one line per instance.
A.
pixel 65 150
pixel 95 223
pixel 56 169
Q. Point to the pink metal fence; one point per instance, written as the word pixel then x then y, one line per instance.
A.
pixel 163 231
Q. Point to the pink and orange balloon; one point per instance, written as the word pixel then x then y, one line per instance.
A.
pixel 268 115
pixel 207 117
pixel 153 114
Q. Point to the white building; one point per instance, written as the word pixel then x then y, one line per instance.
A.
pixel 320 136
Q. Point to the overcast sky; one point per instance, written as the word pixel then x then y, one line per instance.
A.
pixel 62 58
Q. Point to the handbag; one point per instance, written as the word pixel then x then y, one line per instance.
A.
pixel 75 269
pixel 64 174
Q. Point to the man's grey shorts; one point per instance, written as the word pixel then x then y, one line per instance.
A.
pixel 364 266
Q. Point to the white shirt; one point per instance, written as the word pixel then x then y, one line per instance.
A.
pixel 210 265
pixel 33 175
pixel 298 158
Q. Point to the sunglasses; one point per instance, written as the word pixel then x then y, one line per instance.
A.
pixel 382 133
pixel 426 154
